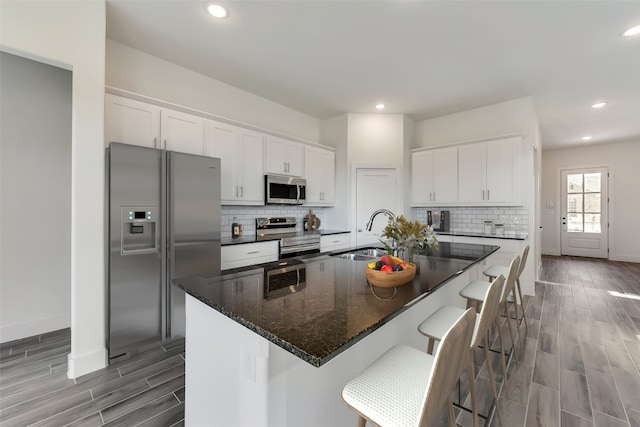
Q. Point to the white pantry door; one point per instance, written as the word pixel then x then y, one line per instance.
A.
pixel 585 205
pixel 375 189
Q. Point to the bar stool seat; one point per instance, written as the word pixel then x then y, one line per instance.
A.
pixel 476 289
pixel 407 387
pixel 496 270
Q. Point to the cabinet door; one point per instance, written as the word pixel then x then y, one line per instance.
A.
pixel 131 122
pixel 319 166
pixel 328 177
pixel 182 132
pixel 222 142
pixel 501 173
pixel 422 177
pixel 251 167
pixel 445 175
pixel 275 156
pixel 295 158
pixel 471 173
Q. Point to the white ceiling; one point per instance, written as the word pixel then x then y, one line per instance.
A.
pixel 421 58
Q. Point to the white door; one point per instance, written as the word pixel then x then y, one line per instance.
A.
pixel 182 132
pixel 375 189
pixel 472 173
pixel 131 122
pixel 584 212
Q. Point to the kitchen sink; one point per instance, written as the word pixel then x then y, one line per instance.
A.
pixel 366 254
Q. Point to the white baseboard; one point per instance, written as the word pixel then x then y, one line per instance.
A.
pixel 624 258
pixel 85 363
pixel 553 252
pixel 34 327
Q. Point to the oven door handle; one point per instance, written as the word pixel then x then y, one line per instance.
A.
pixel 299 248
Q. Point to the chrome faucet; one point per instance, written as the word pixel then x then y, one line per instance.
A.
pixel 373 215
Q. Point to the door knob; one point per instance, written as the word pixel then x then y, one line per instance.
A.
pixel 359 230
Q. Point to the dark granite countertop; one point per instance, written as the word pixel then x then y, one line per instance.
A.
pixel 334 308
pixel 251 238
pixel 505 236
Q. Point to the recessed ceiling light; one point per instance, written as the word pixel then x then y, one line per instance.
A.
pixel 217 10
pixel 633 31
pixel 598 104
pixel 586 138
pixel 380 106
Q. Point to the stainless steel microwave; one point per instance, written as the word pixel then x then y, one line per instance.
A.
pixel 285 190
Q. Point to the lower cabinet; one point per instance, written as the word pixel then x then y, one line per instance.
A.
pixel 335 242
pixel 241 255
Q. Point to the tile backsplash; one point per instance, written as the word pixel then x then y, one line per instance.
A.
pixel 246 216
pixel 471 219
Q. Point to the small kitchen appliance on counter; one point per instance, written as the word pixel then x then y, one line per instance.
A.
pixel 292 243
pixel 439 220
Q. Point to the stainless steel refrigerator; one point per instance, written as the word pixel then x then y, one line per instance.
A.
pixel 163 223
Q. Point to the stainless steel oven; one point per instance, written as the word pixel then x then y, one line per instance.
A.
pixel 292 243
pixel 285 190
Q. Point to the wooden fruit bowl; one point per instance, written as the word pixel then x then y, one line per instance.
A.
pixel 390 279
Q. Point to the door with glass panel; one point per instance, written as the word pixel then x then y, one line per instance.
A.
pixel 584 222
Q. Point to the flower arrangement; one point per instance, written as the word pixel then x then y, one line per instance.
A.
pixel 409 237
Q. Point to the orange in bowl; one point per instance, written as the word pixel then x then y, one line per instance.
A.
pixel 390 279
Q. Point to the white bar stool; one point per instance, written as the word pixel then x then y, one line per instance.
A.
pixel 496 270
pixel 436 325
pixel 475 291
pixel 407 387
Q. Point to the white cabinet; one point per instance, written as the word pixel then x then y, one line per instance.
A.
pixel 181 131
pixel 488 172
pixel 320 169
pixel 335 242
pixel 138 123
pixel 283 157
pixel 131 122
pixel 434 177
pixel 241 152
pixel 240 255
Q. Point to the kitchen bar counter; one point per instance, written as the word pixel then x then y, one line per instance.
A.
pixel 263 355
pixel 333 308
pixel 251 238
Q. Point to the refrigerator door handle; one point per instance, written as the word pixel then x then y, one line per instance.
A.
pixel 170 243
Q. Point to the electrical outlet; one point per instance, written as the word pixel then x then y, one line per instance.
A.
pixel 249 366
pixel 549 205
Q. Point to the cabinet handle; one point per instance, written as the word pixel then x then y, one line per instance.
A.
pixel 336 241
pixel 253 252
pixel 482 194
pixel 165 143
pixel 241 191
pixel 434 196
pixel 285 166
pixel 155 142
pixel 236 194
pixel 488 194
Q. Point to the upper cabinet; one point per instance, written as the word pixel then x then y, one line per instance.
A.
pixel 283 157
pixel 488 172
pixel 134 122
pixel 241 152
pixel 434 177
pixel 320 166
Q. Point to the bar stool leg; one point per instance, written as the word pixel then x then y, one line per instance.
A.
pixel 492 379
pixel 430 346
pixel 452 414
pixel 524 316
pixel 503 359
pixel 472 388
pixel 513 341
pixel 515 306
pixel 362 422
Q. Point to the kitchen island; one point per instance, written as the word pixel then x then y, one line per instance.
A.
pixel 273 345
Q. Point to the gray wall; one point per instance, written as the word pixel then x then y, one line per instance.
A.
pixel 35 202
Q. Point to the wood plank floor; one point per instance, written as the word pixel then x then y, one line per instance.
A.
pixel 147 389
pixel 578 364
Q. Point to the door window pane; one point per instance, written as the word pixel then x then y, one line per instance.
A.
pixel 574 202
pixel 592 223
pixel 592 203
pixel 574 183
pixel 592 182
pixel 574 222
